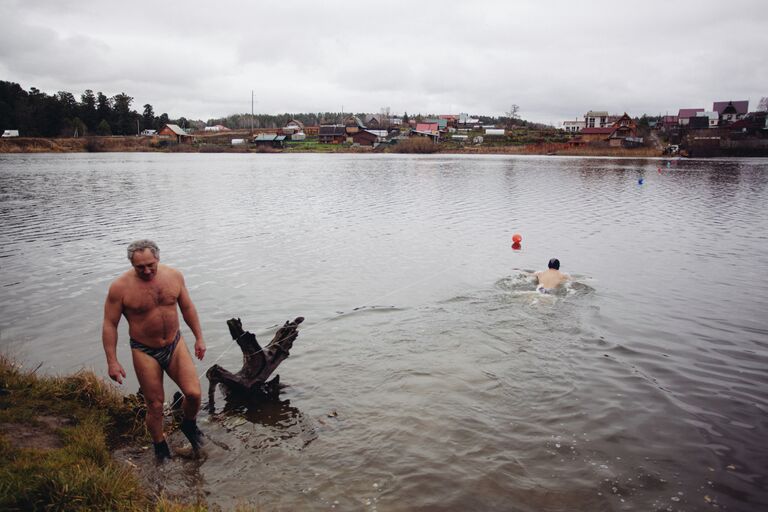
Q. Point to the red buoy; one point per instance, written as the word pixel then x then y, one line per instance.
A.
pixel 516 238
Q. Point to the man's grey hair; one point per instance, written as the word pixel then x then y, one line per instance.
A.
pixel 140 245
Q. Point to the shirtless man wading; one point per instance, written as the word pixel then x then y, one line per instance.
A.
pixel 551 278
pixel 147 296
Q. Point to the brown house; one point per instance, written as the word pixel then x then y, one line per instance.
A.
pixel 332 134
pixel 174 131
pixel 625 127
pixel 353 125
pixel 595 134
pixel 365 138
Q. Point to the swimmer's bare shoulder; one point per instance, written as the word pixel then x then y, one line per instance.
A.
pixel 118 287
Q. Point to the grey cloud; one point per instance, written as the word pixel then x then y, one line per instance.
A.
pixel 555 59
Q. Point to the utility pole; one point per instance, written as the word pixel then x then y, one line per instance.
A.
pixel 251 112
pixel 138 131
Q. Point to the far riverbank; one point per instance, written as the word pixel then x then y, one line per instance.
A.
pixel 146 144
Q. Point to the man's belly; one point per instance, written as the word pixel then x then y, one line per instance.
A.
pixel 157 328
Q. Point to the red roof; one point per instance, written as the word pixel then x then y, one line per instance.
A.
pixel 670 119
pixel 427 127
pixel 686 113
pixel 597 131
pixel 741 106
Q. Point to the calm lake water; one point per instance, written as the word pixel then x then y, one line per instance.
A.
pixel 429 375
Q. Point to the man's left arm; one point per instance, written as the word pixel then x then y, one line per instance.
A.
pixel 189 312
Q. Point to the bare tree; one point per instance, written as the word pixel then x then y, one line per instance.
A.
pixel 513 110
pixel 512 114
pixel 762 105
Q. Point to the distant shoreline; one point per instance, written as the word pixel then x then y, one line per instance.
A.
pixel 24 145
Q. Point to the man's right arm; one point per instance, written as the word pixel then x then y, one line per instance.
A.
pixel 113 309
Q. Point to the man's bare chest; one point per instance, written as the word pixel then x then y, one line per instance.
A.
pixel 147 297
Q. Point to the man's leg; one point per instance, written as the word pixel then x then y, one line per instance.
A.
pixel 182 371
pixel 150 377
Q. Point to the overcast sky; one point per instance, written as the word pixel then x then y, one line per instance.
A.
pixel 555 59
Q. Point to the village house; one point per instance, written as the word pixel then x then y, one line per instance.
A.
pixel 623 132
pixel 685 114
pixel 731 111
pixel 174 131
pixel 451 120
pixel 466 122
pixel 713 118
pixel 293 126
pixel 596 119
pixel 442 124
pixel 574 126
pixel 269 140
pixel 332 134
pixel 624 128
pixel 668 122
pixel 294 129
pixel 754 124
pixel 426 127
pixel 370 137
pixel 377 121
pixel 590 135
pixel 353 124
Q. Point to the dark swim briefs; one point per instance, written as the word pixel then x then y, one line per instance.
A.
pixel 162 355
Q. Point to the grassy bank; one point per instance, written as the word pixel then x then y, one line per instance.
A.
pixel 56 437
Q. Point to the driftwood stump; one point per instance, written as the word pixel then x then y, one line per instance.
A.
pixel 258 363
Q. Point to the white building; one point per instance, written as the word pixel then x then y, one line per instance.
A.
pixel 10 133
pixel 714 118
pixel 574 126
pixel 596 119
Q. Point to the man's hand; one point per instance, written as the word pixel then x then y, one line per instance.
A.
pixel 116 372
pixel 200 348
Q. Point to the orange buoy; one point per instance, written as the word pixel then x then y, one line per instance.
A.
pixel 516 238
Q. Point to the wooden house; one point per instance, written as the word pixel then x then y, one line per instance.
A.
pixel 353 124
pixel 365 138
pixel 589 135
pixel 174 131
pixel 624 127
pixel 332 134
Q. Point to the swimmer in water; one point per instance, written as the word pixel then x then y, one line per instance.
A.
pixel 548 280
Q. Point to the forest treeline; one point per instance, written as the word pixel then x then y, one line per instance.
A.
pixel 37 114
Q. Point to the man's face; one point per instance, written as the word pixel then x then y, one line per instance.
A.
pixel 145 264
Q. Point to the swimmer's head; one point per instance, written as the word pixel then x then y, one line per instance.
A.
pixel 554 263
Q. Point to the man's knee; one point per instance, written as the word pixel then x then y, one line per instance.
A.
pixel 154 406
pixel 193 395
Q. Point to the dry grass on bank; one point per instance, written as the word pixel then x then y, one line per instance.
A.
pixel 561 149
pixel 416 145
pixel 56 436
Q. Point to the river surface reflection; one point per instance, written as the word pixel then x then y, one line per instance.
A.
pixel 429 375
